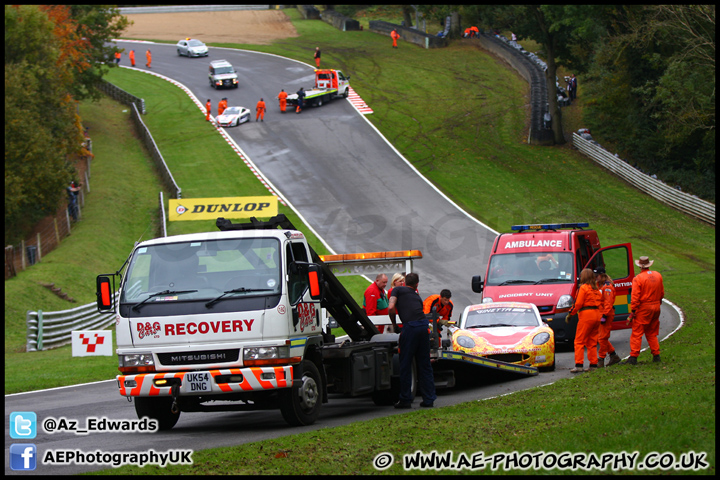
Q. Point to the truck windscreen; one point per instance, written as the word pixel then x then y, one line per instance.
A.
pixel 530 268
pixel 204 269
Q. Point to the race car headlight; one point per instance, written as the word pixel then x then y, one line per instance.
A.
pixel 565 301
pixel 465 341
pixel 541 338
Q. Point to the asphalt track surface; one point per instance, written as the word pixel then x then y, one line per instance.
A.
pixel 359 195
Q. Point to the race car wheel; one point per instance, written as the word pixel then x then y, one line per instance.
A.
pixel 300 405
pixel 157 408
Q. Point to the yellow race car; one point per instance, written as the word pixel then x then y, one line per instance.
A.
pixel 510 332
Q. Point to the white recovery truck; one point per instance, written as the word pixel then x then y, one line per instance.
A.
pixel 231 320
pixel 329 84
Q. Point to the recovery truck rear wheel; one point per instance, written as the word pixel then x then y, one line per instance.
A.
pixel 300 405
pixel 157 408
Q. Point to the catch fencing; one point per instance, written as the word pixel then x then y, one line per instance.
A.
pixel 47 330
pixel 682 201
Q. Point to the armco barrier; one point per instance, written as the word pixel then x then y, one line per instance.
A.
pixel 535 76
pixel 138 105
pixel 46 330
pixel 682 201
pixel 407 34
pixel 339 21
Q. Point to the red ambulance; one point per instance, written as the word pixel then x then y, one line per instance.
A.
pixel 541 264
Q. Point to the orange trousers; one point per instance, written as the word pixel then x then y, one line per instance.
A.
pixel 586 336
pixel 283 105
pixel 604 337
pixel 260 114
pixel 646 321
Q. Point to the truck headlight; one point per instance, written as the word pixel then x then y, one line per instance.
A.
pixel 136 363
pixel 264 356
pixel 487 300
pixel 565 301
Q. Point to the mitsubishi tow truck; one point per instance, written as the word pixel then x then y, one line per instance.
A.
pixel 541 264
pixel 241 319
pixel 329 84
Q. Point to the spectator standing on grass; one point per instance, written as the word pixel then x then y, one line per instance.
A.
pixel 587 306
pixel 72 190
pixel 607 314
pixel 414 342
pixel 647 294
pixel 573 80
pixel 375 300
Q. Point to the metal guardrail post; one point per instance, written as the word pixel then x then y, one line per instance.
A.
pixel 40 331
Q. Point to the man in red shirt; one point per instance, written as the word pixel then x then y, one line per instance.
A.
pixel 375 300
pixel 647 294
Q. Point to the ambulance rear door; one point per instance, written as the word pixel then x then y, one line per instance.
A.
pixel 618 263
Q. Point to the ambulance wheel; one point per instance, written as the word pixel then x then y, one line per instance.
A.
pixel 157 408
pixel 300 405
pixel 346 93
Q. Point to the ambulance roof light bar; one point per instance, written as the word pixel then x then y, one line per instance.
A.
pixel 549 226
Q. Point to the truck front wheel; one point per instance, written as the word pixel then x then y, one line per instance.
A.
pixel 157 408
pixel 300 405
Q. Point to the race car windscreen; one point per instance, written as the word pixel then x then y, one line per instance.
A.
pixel 527 268
pixel 501 317
pixel 204 269
pixel 232 111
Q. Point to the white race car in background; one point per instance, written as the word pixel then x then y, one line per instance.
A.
pixel 233 116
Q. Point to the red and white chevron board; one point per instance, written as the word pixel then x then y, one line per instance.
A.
pixel 358 102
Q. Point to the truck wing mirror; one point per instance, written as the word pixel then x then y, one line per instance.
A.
pixel 104 293
pixel 315 280
pixel 477 284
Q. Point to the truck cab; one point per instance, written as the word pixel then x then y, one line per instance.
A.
pixel 332 80
pixel 541 264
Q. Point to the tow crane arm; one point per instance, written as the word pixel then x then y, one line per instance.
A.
pixel 336 299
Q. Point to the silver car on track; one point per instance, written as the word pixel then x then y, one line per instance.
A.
pixel 192 48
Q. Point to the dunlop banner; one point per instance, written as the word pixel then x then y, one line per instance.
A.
pixel 228 207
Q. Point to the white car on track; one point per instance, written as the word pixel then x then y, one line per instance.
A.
pixel 192 48
pixel 233 116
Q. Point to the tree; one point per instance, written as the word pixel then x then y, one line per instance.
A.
pixel 653 93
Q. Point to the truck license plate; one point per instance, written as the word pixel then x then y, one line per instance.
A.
pixel 198 382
